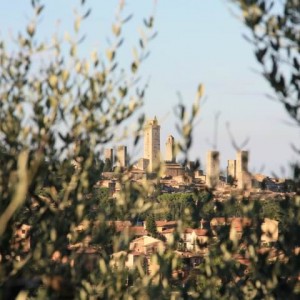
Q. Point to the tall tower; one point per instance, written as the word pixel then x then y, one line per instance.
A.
pixel 212 168
pixel 121 156
pixel 242 175
pixel 109 154
pixel 231 171
pixel 170 149
pixel 152 143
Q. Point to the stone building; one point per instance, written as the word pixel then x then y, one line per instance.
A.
pixel 173 169
pixel 170 149
pixel 212 168
pixel 241 162
pixel 269 229
pixel 109 154
pixel 142 164
pixel 147 245
pixel 121 157
pixel 152 143
pixel 242 175
pixel 231 170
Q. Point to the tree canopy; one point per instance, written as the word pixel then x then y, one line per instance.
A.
pixel 56 118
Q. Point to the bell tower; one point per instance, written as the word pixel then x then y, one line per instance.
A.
pixel 152 143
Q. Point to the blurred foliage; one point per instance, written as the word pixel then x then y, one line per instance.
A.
pixel 56 118
pixel 274 33
pixel 151 225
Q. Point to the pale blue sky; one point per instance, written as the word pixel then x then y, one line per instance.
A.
pixel 198 41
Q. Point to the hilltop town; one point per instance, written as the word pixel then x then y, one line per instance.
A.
pixel 191 222
pixel 175 177
pixel 98 202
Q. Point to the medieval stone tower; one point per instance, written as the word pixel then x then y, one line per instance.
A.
pixel 231 171
pixel 152 143
pixel 121 156
pixel 212 168
pixel 242 175
pixel 170 149
pixel 109 155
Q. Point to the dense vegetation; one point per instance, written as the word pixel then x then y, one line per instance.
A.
pixel 57 117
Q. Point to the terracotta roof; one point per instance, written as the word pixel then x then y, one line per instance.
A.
pixel 236 221
pixel 147 240
pixel 241 259
pixel 136 253
pixel 198 231
pixel 240 223
pixel 120 225
pixel 201 232
pixel 271 252
pixel 165 223
pixel 138 230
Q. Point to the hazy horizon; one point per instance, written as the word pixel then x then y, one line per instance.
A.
pixel 197 42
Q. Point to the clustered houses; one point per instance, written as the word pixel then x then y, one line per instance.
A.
pixel 191 246
pixel 193 243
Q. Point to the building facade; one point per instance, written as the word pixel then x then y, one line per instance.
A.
pixel 170 149
pixel 121 157
pixel 231 170
pixel 242 175
pixel 152 143
pixel 109 154
pixel 212 168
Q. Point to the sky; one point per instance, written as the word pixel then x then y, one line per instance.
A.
pixel 198 41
